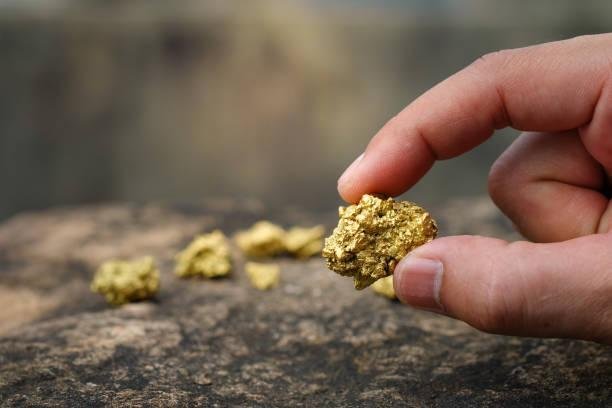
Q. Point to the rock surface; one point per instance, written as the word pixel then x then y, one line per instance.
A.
pixel 313 341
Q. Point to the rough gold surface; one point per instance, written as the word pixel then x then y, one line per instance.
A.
pixel 265 239
pixel 208 255
pixel 373 235
pixel 262 240
pixel 263 276
pixel 384 287
pixel 126 281
pixel 304 242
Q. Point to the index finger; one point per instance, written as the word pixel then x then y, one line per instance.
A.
pixel 549 87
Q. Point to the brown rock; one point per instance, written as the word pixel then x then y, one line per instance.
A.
pixel 313 341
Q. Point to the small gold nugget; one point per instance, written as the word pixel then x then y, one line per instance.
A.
pixel 126 281
pixel 372 237
pixel 304 242
pixel 263 239
pixel 208 255
pixel 384 287
pixel 263 276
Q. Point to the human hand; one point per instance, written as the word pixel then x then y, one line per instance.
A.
pixel 553 182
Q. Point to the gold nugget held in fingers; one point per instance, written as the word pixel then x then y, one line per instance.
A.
pixel 126 281
pixel 373 235
pixel 208 256
pixel 262 276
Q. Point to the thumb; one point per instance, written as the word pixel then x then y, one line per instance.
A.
pixel 544 290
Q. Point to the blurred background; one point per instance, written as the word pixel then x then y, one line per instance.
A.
pixel 183 100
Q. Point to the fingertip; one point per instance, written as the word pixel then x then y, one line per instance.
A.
pixel 347 182
pixel 417 282
pixel 440 274
pixel 348 193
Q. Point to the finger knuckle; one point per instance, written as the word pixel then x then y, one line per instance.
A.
pixel 495 319
pixel 504 181
pixel 499 313
pixel 498 181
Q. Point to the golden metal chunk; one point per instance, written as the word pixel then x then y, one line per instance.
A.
pixel 263 239
pixel 384 287
pixel 372 237
pixel 208 255
pixel 126 281
pixel 263 276
pixel 304 242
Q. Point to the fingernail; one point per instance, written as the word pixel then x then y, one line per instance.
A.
pixel 418 281
pixel 347 175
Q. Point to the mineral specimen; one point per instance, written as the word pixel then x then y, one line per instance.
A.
pixel 373 235
pixel 263 239
pixel 126 281
pixel 262 276
pixel 304 242
pixel 384 287
pixel 208 255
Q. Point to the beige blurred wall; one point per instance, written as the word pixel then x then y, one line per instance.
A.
pixel 147 101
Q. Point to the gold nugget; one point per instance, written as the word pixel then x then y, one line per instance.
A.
pixel 126 281
pixel 208 255
pixel 263 239
pixel 384 287
pixel 263 276
pixel 372 236
pixel 304 242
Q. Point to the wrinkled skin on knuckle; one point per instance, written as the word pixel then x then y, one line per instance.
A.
pixel 500 314
pixel 503 309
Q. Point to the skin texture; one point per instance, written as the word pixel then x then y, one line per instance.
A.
pixel 553 183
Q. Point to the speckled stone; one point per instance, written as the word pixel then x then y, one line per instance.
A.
pixel 313 341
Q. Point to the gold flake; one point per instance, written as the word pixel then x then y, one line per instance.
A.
pixel 263 276
pixel 384 287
